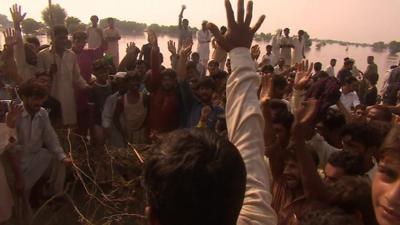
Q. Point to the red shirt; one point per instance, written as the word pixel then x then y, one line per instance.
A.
pixel 164 106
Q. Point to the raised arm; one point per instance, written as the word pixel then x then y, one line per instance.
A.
pixel 183 58
pixel 9 66
pixel 130 58
pixel 181 17
pixel 243 114
pixel 314 188
pixel 155 76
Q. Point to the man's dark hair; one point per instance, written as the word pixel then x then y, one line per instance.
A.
pixel 206 82
pixel 284 118
pixel 349 80
pixel 351 163
pixel 364 133
pixel 195 177
pixel 279 81
pixel 79 35
pixel 220 75
pixel 213 62
pixel 59 30
pixel 318 66
pixel 268 69
pixel 94 17
pixel 32 40
pixel 333 120
pixel 360 106
pixel 110 19
pixel 169 73
pixel 30 89
pixel 332 216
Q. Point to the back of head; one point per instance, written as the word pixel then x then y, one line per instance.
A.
pixel 79 35
pixel 352 164
pixel 331 216
pixel 59 30
pixel 195 177
pixel 364 133
pixel 31 89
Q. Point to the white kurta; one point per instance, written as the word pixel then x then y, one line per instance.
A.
pixel 203 47
pixel 286 53
pixel 113 47
pixel 276 41
pixel 6 200
pixel 94 38
pixel 298 50
pixel 64 81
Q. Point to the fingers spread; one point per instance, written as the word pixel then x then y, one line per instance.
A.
pixel 258 24
pixel 249 13
pixel 229 14
pixel 240 11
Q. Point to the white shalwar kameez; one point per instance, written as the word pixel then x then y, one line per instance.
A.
pixel 203 47
pixel 298 50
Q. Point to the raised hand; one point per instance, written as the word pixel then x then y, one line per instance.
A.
pixel 303 75
pixel 16 14
pixel 205 112
pixel 13 115
pixel 131 47
pixel 10 37
pixel 267 89
pixel 152 38
pixel 304 118
pixel 186 49
pixel 172 47
pixel 239 33
pixel 255 52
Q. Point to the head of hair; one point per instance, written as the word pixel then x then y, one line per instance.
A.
pixel 169 73
pixel 284 118
pixel 94 17
pixel 110 19
pixel 206 82
pixel 268 69
pixel 79 35
pixel 30 89
pixel 364 133
pixel 100 64
pixel 317 66
pixel 132 76
pixel 331 216
pixel 352 164
pixel 32 40
pixel 279 81
pixel 391 146
pixel 360 106
pixel 59 30
pixel 349 80
pixel 192 173
pixel 213 62
pixel 278 106
pixel 333 120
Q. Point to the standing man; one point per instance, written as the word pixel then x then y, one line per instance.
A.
pixel 219 54
pixel 94 33
pixel 286 46
pixel 299 44
pixel 184 32
pixel 269 58
pixel 63 65
pixel 112 36
pixel 372 67
pixel 331 68
pixel 203 48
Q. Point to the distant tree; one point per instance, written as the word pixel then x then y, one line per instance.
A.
pixel 394 47
pixel 263 37
pixel 59 15
pixel 379 46
pixel 126 27
pixel 307 40
pixel 4 21
pixel 74 24
pixel 31 26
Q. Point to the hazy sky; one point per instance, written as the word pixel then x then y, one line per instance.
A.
pixel 350 20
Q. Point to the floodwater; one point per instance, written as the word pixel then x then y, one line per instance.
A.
pixel 323 55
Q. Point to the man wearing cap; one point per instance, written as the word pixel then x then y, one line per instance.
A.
pixel 203 48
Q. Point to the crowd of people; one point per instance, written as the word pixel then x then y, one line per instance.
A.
pixel 235 139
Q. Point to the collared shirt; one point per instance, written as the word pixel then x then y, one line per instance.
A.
pixel 94 38
pixel 269 59
pixel 35 134
pixel 350 100
pixel 245 130
pixel 331 71
pixel 67 77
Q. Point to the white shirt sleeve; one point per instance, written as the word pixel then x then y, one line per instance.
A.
pixel 245 130
pixel 322 148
